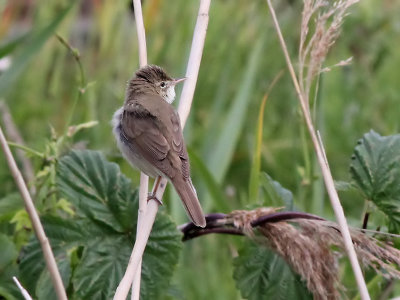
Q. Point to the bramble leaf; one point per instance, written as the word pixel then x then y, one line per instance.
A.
pixel 262 274
pixel 101 234
pixel 375 169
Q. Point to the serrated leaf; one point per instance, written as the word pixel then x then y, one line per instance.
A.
pixel 64 235
pixel 97 189
pixel 21 220
pixel 45 290
pixel 65 206
pixel 343 185
pixel 86 179
pixel 160 257
pixel 274 193
pixel 102 266
pixel 261 274
pixel 375 169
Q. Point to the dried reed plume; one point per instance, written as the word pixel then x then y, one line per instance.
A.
pixel 312 52
pixel 314 49
pixel 308 243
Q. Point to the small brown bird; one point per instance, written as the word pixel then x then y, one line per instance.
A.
pixel 149 134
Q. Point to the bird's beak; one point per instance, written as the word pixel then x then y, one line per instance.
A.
pixel 179 80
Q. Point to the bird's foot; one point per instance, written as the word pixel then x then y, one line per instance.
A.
pixel 152 196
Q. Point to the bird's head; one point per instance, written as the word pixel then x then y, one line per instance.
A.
pixel 158 80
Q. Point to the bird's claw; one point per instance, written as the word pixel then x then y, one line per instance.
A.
pixel 151 196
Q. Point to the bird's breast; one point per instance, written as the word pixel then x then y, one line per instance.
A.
pixel 128 148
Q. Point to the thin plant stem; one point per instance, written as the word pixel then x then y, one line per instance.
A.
pixel 82 79
pixel 193 65
pixel 26 149
pixel 184 108
pixel 14 134
pixel 328 179
pixel 365 220
pixel 34 217
pixel 23 291
pixel 256 163
pixel 77 57
pixel 144 179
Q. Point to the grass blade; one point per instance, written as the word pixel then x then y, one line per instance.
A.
pixel 11 45
pixel 256 165
pixel 32 47
pixel 221 156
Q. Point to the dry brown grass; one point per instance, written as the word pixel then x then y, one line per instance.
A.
pixel 312 248
pixel 313 48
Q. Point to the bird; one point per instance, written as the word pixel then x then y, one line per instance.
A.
pixel 148 132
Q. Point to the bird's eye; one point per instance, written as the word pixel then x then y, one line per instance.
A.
pixel 162 84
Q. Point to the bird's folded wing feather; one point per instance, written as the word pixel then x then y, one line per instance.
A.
pixel 158 137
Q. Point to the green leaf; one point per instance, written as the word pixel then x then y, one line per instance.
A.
pixel 8 251
pixel 106 234
pixel 65 236
pixel 343 185
pixel 160 257
pixel 9 205
pixel 8 289
pixel 375 169
pixel 261 274
pixel 21 220
pixel 102 266
pixel 10 46
pixel 97 189
pixel 30 49
pixel 254 183
pixel 274 193
pixel 44 288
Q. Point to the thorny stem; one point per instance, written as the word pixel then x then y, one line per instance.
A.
pixel 329 183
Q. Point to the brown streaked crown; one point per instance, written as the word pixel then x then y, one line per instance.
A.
pixel 146 80
pixel 152 74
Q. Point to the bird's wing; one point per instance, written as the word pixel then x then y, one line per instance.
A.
pixel 141 130
pixel 178 144
pixel 152 127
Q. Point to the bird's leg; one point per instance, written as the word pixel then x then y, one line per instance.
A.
pixel 152 195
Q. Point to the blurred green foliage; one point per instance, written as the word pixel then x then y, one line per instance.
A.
pixel 241 58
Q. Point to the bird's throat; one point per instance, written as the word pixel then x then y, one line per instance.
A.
pixel 170 96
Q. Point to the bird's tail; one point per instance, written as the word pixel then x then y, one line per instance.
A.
pixel 187 193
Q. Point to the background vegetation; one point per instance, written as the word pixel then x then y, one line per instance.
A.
pixel 50 90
